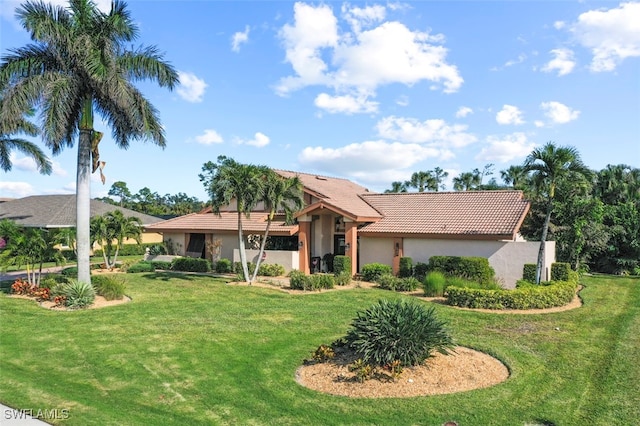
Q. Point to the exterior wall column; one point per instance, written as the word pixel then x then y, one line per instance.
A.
pixel 351 241
pixel 398 252
pixel 304 233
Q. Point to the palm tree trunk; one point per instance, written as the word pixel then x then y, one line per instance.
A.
pixel 543 239
pixel 243 255
pixel 262 245
pixel 83 200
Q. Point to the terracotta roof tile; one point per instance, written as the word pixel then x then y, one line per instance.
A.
pixel 226 221
pixel 480 213
pixel 337 192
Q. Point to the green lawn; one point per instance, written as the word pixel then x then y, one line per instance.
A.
pixel 191 350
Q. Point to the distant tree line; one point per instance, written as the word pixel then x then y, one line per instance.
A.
pixel 152 203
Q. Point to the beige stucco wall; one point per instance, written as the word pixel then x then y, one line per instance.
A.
pixel 289 259
pixel 177 240
pixel 506 257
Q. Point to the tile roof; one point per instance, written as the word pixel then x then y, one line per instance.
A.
pixel 341 194
pixel 226 221
pixel 58 211
pixel 468 214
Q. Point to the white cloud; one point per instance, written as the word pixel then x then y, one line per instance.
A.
pixel 363 17
pixel 191 87
pixel 463 111
pixel 504 149
pixel 259 140
pixel 345 104
pixel 239 38
pixel 367 158
pixel 559 113
pixel 558 25
pixel 563 62
pixel 363 59
pixel 209 137
pixel 435 132
pixel 16 189
pixel 612 35
pixel 402 100
pixel 512 62
pixel 539 123
pixel 509 114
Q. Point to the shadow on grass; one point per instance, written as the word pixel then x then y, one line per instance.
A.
pixel 166 276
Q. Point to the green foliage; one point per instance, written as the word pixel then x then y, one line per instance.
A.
pixel 322 281
pixel 373 271
pixel 271 270
pixel 299 281
pixel 328 260
pixel 420 270
pixel 558 293
pixel 161 264
pixel 130 249
pixel 142 266
pixel 79 295
pixel 434 284
pixel 223 266
pixel 343 278
pixel 363 370
pixel 237 267
pixel 560 271
pixel 393 283
pixel 157 249
pixel 341 263
pixel 71 271
pixel 529 272
pixel 465 283
pixel 323 353
pixel 191 264
pixel 403 330
pixel 471 268
pixel 406 267
pixel 111 287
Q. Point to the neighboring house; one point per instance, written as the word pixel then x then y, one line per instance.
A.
pixel 59 211
pixel 343 218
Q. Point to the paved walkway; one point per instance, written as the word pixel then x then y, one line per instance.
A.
pixel 14 417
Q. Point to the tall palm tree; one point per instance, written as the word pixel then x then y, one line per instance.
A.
pixel 280 194
pixel 514 176
pixel 80 63
pixel 396 186
pixel 8 143
pixel 230 181
pixel 466 181
pixel 550 166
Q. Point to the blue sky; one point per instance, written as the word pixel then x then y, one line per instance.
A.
pixel 369 91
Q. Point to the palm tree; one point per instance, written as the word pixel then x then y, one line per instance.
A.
pixel 396 186
pixel 514 176
pixel 79 64
pixel 550 166
pixel 228 181
pixel 279 194
pixel 439 175
pixel 8 143
pixel 466 181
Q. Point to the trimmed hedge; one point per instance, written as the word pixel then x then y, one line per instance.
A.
pixel 129 249
pixel 142 266
pixel 299 281
pixel 191 264
pixel 560 271
pixel 271 270
pixel 341 263
pixel 420 270
pixel 406 267
pixel 471 268
pixel 529 272
pixel 223 266
pixel 373 271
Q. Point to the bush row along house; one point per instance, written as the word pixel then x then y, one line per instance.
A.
pixel 341 217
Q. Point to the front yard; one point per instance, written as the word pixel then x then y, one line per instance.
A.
pixel 192 350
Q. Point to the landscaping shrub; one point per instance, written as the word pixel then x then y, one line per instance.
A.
pixel 71 271
pixel 78 294
pixel 237 267
pixel 343 278
pixel 271 270
pixel 407 284
pixel 191 264
pixel 322 281
pixel 560 271
pixel 420 271
pixel 557 293
pixel 223 266
pixel 111 287
pixel 387 282
pixel 298 280
pixel 434 284
pixel 142 266
pixel 372 271
pixel 406 267
pixel 472 268
pixel 341 263
pixel 465 283
pixel 162 264
pixel 398 330
pixel 157 249
pixel 529 272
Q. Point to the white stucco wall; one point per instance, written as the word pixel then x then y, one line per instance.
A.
pixel 289 259
pixel 507 258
